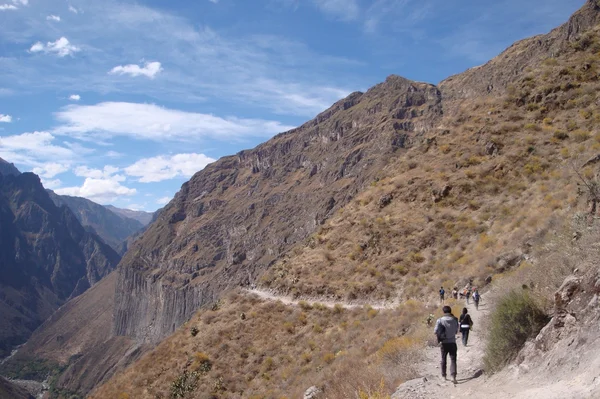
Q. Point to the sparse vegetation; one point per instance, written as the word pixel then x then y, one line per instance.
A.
pixel 517 317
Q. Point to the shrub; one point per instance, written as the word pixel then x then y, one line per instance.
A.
pixel 202 363
pixel 194 331
pixel 517 318
pixel 184 384
pixel 580 136
pixel 560 135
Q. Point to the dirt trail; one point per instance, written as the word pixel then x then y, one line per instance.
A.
pixel 287 300
pixel 469 363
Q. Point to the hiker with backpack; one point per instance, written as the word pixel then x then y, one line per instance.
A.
pixel 442 294
pixel 476 298
pixel 468 295
pixel 466 323
pixel 455 293
pixel 446 328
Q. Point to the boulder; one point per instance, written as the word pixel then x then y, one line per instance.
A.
pixel 565 293
pixel 312 393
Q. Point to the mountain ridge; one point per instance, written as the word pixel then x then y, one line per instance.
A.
pixel 113 228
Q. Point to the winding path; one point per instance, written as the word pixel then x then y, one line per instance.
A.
pixel 287 300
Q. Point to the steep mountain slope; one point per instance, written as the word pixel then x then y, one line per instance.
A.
pixel 8 168
pixel 114 229
pixel 460 206
pixel 46 257
pixel 9 390
pixel 143 217
pixel 238 215
pixel 462 201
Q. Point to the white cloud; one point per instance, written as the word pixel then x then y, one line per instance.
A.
pixel 73 10
pixel 61 47
pixel 5 118
pixel 74 97
pixel 100 185
pixel 214 1
pixel 21 2
pixel 151 122
pixel 114 154
pixel 99 190
pixel 150 70
pixel 6 7
pixel 106 173
pixel 33 149
pixel 50 169
pixel 346 10
pixel 163 200
pixel 51 184
pixel 151 170
pixel 53 18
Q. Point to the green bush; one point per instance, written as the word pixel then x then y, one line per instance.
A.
pixel 517 318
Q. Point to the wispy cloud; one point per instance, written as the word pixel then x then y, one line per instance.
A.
pixel 61 47
pixel 7 7
pixel 203 64
pixel 108 172
pixel 5 118
pixel 74 97
pixel 55 18
pixel 156 169
pixel 150 70
pixel 73 9
pixel 346 10
pixel 37 148
pixel 151 122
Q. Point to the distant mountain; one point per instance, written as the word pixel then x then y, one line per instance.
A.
pixel 8 168
pixel 113 228
pixel 46 257
pixel 143 217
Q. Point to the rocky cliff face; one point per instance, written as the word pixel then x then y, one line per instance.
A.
pixel 7 168
pixel 234 218
pixel 46 257
pixel 114 229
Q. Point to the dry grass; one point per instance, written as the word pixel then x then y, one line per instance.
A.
pixel 275 350
pixel 499 198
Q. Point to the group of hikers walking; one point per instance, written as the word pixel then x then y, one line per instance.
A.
pixel 448 326
pixel 467 293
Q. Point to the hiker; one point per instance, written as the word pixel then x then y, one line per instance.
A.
pixel 476 298
pixel 446 328
pixel 467 295
pixel 442 293
pixel 455 293
pixel 465 323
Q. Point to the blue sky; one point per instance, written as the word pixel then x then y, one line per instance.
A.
pixel 122 101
